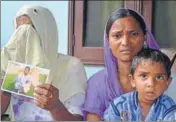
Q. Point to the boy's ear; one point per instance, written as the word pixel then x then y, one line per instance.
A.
pixel 131 78
pixel 169 81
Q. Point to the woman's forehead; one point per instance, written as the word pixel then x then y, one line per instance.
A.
pixel 23 19
pixel 128 23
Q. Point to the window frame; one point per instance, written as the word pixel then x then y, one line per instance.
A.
pixel 95 55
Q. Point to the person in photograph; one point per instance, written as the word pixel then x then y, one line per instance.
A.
pixel 23 81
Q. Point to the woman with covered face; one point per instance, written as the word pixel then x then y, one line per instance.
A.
pixel 126 33
pixel 35 42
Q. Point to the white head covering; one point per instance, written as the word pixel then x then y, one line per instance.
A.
pixel 45 26
pixel 41 42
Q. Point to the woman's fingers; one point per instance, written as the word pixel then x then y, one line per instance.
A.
pixel 38 103
pixel 41 98
pixel 43 91
pixel 46 86
pixel 46 96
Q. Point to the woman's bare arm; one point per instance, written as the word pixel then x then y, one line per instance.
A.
pixel 5 99
pixel 60 112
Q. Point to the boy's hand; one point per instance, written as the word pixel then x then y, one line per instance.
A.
pixel 46 96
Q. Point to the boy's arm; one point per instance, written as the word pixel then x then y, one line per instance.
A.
pixel 112 113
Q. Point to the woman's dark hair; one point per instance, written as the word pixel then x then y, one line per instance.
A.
pixel 153 55
pixel 121 13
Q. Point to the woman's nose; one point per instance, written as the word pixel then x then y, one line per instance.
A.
pixel 125 41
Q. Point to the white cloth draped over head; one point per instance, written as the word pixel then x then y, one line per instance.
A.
pixel 45 26
pixel 38 46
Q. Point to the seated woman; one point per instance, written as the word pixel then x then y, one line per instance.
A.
pixel 35 42
pixel 126 33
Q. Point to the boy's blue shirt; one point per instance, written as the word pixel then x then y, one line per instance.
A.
pixel 126 107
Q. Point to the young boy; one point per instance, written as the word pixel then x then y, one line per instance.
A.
pixel 150 76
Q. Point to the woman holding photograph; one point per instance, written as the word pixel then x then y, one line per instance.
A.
pixel 35 42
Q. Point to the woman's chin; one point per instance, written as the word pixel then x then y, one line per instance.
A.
pixel 126 59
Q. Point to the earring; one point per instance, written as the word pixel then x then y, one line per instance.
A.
pixel 145 44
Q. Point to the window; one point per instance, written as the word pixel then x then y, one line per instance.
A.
pixel 87 20
pixel 164 26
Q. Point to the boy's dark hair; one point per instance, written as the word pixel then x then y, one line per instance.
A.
pixel 27 67
pixel 153 55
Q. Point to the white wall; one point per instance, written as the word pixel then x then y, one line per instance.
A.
pixel 59 10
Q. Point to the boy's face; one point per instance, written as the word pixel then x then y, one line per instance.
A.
pixel 150 80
